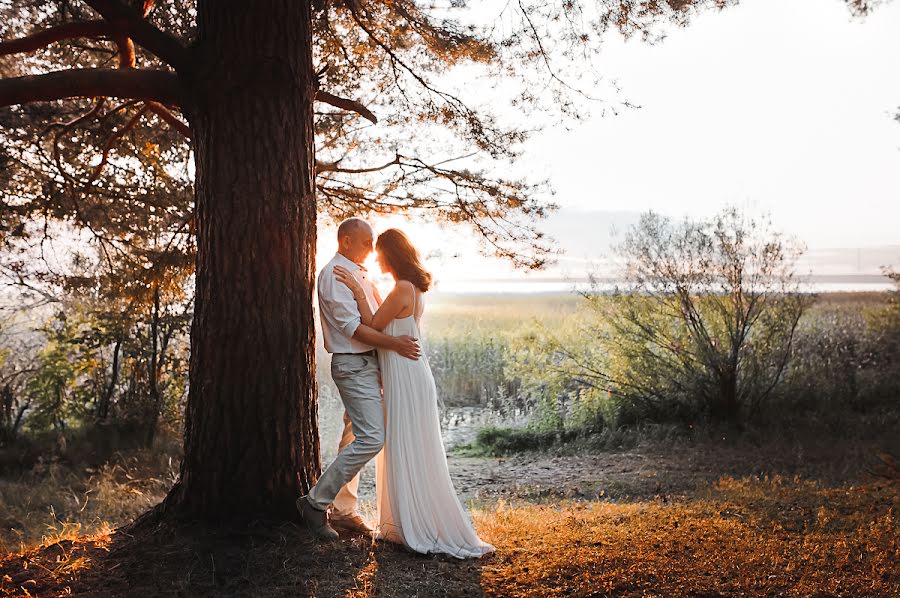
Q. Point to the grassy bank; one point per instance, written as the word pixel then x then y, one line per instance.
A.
pixel 875 428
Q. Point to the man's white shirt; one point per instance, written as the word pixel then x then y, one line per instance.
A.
pixel 338 311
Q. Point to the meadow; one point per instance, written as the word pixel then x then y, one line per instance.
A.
pixel 501 353
pixel 470 339
pixel 801 500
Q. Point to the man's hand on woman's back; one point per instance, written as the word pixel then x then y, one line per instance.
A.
pixel 408 347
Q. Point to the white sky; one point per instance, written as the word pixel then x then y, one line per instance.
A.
pixel 785 106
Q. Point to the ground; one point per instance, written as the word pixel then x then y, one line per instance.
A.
pixel 712 519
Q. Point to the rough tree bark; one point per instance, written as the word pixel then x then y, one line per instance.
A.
pixel 251 443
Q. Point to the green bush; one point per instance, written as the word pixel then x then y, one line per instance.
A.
pixel 502 441
pixel 703 330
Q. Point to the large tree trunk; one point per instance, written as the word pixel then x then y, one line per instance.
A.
pixel 251 440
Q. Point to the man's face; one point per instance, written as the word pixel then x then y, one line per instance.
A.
pixel 359 244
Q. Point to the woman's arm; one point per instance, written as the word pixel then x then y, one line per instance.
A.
pixel 400 298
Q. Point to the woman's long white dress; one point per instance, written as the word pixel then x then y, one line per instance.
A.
pixel 417 504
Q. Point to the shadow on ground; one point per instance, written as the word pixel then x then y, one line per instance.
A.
pixel 260 560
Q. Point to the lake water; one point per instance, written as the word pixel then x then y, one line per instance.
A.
pixel 823 284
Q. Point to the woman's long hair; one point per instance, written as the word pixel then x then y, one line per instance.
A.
pixel 402 258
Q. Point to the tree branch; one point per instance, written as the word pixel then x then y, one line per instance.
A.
pixel 164 46
pixel 49 36
pixel 146 85
pixel 345 104
pixel 173 121
pixel 333 167
pixel 125 46
pixel 112 141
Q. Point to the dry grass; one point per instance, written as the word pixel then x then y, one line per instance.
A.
pixel 749 537
pixel 736 537
pixel 55 500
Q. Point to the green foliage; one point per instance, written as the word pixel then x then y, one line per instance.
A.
pixel 498 441
pixel 511 354
pixel 502 441
pixel 557 350
pixel 60 389
pixel 886 322
pixel 96 367
pixel 703 330
pixel 558 400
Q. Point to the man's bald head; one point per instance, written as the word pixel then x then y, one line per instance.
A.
pixel 351 225
pixel 355 239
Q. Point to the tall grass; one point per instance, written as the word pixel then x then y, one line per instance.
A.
pixel 58 499
pixel 470 342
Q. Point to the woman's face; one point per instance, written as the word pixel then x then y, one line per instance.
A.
pixel 382 263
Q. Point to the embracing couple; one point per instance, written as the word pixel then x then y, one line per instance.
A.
pixel 390 402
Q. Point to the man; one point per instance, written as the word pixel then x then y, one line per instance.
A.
pixel 354 367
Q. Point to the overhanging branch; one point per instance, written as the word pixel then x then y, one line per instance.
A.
pixel 112 141
pixel 51 35
pixel 146 85
pixel 345 104
pixel 322 167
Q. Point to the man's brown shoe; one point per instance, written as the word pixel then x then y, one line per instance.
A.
pixel 316 521
pixel 352 523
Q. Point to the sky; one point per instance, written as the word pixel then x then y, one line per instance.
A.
pixel 780 106
pixel 785 103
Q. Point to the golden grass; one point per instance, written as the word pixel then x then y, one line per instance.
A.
pixel 498 315
pixel 748 537
pixel 737 537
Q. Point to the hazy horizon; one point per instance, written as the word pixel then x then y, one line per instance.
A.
pixel 586 239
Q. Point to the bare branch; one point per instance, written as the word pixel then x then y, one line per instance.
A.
pixel 146 85
pixel 112 141
pixel 333 167
pixel 46 37
pixel 173 121
pixel 127 58
pixel 164 46
pixel 95 109
pixel 345 104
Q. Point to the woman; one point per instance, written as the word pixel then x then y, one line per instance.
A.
pixel 417 504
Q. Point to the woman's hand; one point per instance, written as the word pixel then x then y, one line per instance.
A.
pixel 345 276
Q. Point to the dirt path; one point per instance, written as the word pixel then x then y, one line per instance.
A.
pixel 647 474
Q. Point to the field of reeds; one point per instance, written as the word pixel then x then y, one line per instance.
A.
pixel 503 353
pixel 470 341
